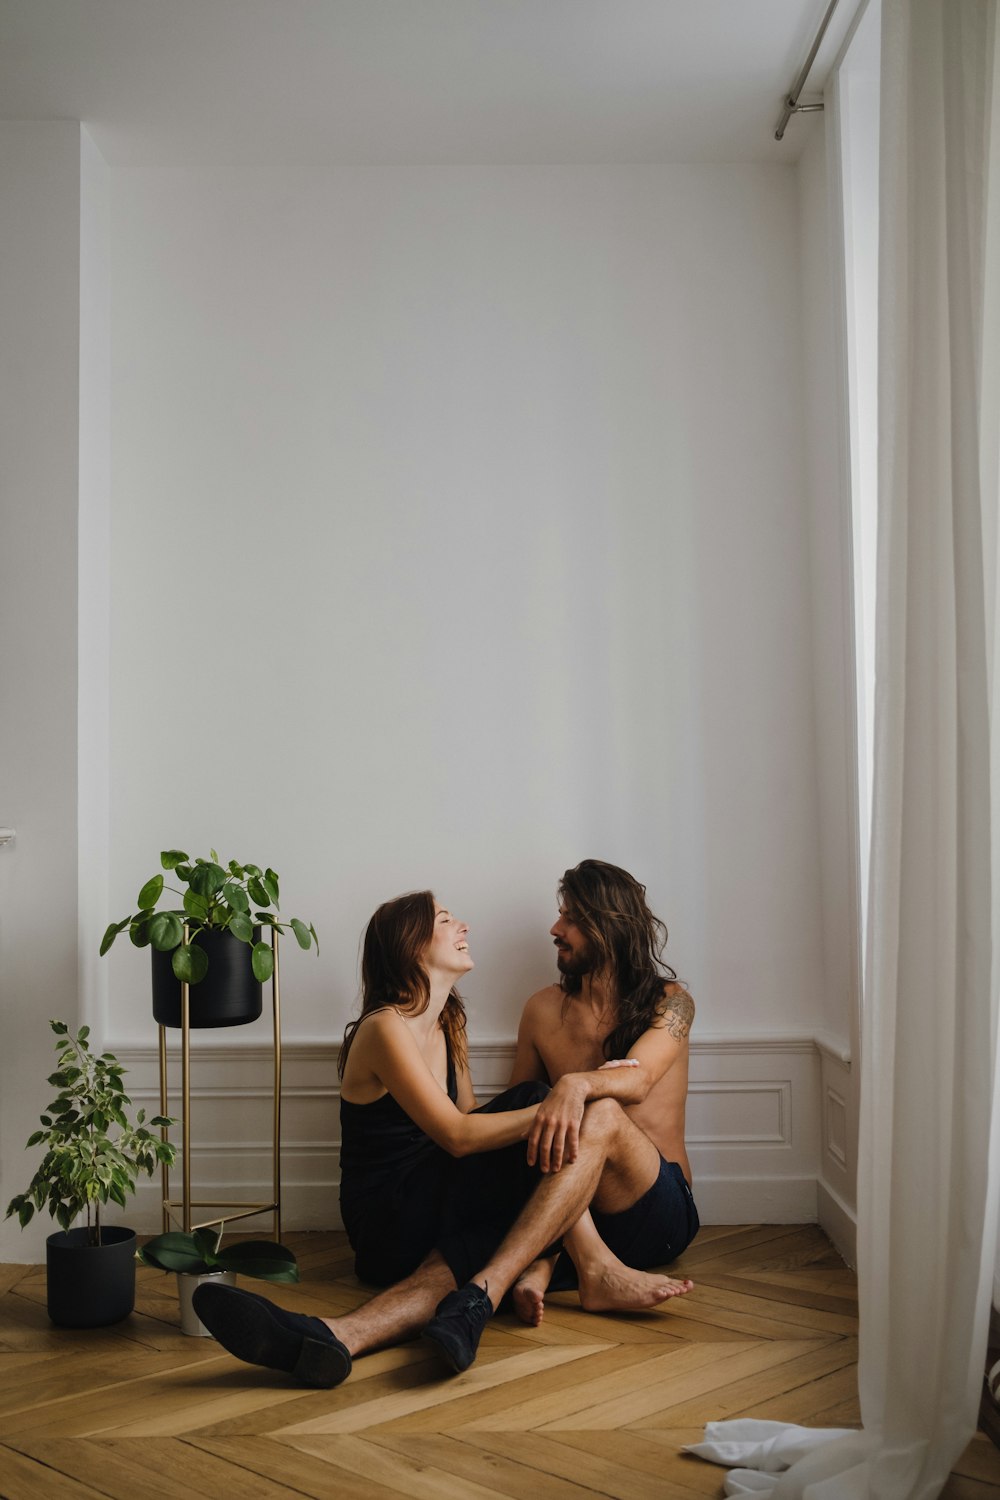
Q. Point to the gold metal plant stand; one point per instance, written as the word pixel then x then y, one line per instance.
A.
pixel 186 1203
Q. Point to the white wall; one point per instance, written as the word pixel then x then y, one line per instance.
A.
pixel 39 431
pixel 94 570
pixel 457 534
pixel 833 679
pixel 457 531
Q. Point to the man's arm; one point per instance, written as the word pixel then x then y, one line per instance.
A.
pixel 555 1131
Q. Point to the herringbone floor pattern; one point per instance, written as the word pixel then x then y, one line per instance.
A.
pixel 584 1406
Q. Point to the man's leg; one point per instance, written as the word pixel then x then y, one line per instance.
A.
pixel 615 1165
pixel 604 1283
pixel 318 1351
pixel 398 1313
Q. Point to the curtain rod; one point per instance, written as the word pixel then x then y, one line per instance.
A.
pixel 791 103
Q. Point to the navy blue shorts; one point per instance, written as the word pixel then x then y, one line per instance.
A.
pixel 653 1232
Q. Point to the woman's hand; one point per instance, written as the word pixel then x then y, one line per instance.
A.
pixel 554 1138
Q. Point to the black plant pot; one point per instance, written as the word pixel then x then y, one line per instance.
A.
pixel 229 995
pixel 90 1286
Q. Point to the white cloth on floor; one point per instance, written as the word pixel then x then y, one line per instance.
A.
pixel 831 1463
pixel 770 1446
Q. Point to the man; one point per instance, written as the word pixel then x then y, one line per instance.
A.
pixel 616 1026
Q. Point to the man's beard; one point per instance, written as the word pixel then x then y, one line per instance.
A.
pixel 575 965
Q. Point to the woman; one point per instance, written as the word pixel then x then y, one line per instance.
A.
pixel 408 1116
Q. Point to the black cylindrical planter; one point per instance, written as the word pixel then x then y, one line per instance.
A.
pixel 229 995
pixel 90 1286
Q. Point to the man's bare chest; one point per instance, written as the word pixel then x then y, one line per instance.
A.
pixel 572 1046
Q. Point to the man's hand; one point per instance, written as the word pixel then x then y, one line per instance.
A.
pixel 554 1138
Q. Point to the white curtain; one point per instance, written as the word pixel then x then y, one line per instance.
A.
pixel 930 1150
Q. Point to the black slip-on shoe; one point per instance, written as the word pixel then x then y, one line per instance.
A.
pixel 262 1333
pixel 457 1325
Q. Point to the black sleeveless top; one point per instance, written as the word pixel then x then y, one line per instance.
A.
pixel 380 1144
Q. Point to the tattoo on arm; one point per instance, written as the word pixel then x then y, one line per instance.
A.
pixel 678 1016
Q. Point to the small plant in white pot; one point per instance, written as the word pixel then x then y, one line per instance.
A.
pixel 93 1155
pixel 197 1255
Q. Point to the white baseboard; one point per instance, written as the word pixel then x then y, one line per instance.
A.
pixel 756 1200
pixel 754 1117
pixel 839 1221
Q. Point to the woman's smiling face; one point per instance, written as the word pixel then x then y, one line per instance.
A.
pixel 448 950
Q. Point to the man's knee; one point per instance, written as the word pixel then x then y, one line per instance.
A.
pixel 603 1119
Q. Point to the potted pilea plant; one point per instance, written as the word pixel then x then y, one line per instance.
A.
pixel 93 1155
pixel 197 1256
pixel 212 939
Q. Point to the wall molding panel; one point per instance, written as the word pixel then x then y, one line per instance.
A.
pixel 759 1118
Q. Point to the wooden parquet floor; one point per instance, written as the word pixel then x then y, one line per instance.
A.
pixel 584 1406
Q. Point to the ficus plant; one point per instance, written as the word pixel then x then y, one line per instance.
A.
pixel 93 1153
pixel 233 898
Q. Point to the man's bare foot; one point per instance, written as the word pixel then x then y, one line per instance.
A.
pixel 528 1294
pixel 617 1288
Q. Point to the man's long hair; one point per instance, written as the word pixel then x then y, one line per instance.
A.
pixel 393 973
pixel 626 941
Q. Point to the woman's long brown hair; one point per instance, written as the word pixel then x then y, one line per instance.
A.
pixel 393 974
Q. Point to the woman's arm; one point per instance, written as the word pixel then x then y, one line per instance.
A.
pixel 463 1081
pixel 392 1055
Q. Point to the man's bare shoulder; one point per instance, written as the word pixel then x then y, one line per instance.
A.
pixel 677 1015
pixel 543 1004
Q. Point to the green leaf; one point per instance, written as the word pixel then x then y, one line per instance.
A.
pixel 139 932
pixel 253 870
pixel 111 933
pixel 166 930
pixel 59 1027
pixel 301 933
pixel 190 963
pixel 206 879
pixel 214 855
pixel 171 858
pixel 183 872
pixel 314 937
pixel 173 1252
pixel 257 892
pixel 207 1241
pixel 235 897
pixel 260 1258
pixel 235 868
pixel 83 1033
pixel 195 905
pixel 271 885
pixel 241 927
pixel 150 893
pixel 262 961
